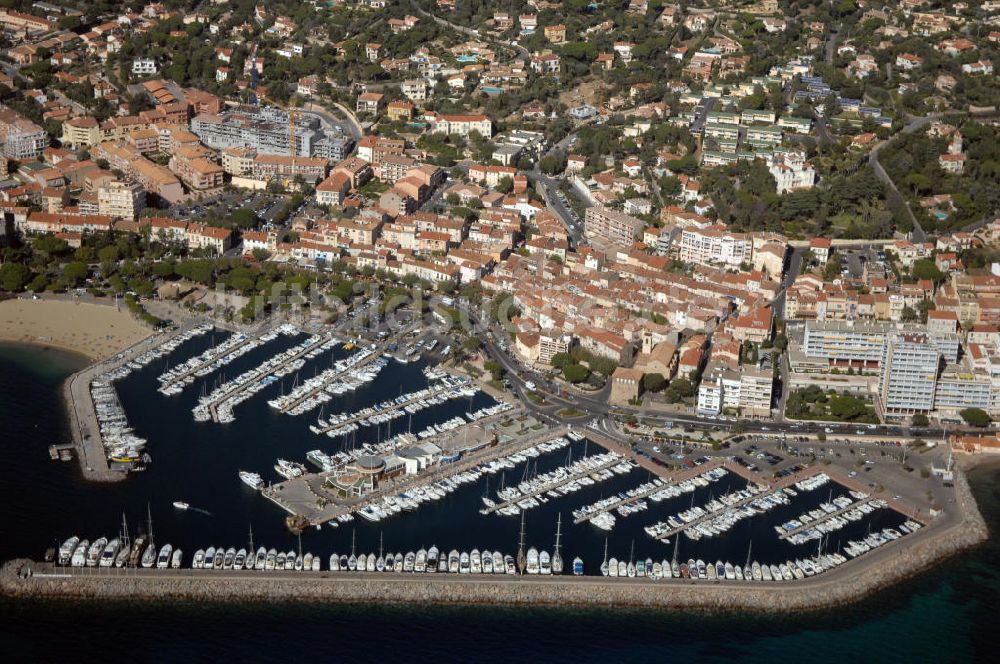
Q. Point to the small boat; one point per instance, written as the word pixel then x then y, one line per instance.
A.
pixel 532 567
pixel 181 505
pixel 334 563
pixel 463 563
pixel 220 558
pixel 241 559
pixel 209 561
pixel 175 560
pixel 577 567
pixel 271 560
pixel 199 559
pixel 95 551
pixel 229 559
pixel 316 564
pixel 260 559
pixel 66 550
pixel 163 560
pixel 432 559
pixel 544 563
pixel 149 557
pixel 613 567
pixel 109 553
pixel 79 557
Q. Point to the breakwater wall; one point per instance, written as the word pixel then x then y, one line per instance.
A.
pixel 853 581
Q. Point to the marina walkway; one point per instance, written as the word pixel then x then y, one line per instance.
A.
pixel 222 351
pixel 292 405
pixel 357 417
pixel 553 485
pixel 259 373
pixel 823 519
pixel 86 430
pixel 307 496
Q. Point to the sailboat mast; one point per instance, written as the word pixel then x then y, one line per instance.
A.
pixel 126 541
pixel 149 523
pixel 522 561
pixel 558 532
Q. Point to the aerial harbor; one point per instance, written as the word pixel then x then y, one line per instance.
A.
pixel 604 331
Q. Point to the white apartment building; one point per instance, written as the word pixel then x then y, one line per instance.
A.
pixel 120 199
pixel 463 125
pixel 909 374
pixel 550 345
pixel 791 171
pixel 712 246
pixel 414 89
pixel 144 66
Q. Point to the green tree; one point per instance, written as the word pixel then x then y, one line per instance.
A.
pixel 976 417
pixel 561 360
pixel 847 407
pixel 14 277
pixel 653 382
pixel 74 273
pixel 603 365
pixel 926 269
pixel 495 369
pixel 920 420
pixel 575 373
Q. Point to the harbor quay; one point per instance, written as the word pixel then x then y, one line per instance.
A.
pixel 956 531
pixel 84 425
pixel 307 497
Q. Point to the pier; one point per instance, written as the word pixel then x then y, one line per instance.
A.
pixel 623 501
pixel 333 378
pixel 221 351
pixel 255 375
pixel 84 423
pixel 824 519
pixel 554 485
pixel 959 528
pixel 308 497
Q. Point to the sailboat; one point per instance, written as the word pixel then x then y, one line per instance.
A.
pixel 557 561
pixel 352 562
pixel 149 557
pixel 604 563
pixel 123 553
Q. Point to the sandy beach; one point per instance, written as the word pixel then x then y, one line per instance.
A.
pixel 95 330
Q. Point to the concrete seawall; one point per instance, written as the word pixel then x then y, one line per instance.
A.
pixel 853 581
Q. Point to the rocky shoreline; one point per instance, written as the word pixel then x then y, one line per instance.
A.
pixel 28 580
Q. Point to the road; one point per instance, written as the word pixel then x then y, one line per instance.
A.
pixel 791 274
pixel 348 126
pixel 917 234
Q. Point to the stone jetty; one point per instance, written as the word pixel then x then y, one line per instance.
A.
pixel 963 529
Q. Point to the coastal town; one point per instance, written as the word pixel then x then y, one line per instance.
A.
pixel 746 250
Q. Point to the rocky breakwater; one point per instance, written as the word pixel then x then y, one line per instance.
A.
pixel 961 529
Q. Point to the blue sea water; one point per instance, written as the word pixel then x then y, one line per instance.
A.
pixel 945 615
